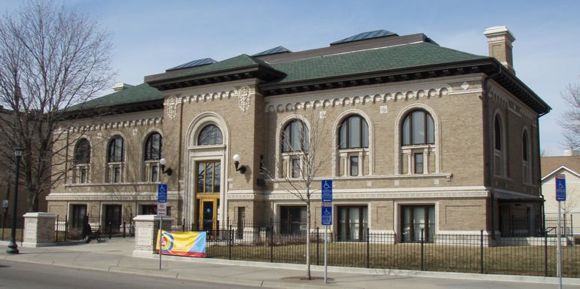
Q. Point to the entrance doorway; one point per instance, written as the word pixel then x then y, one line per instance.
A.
pixel 112 218
pixel 208 180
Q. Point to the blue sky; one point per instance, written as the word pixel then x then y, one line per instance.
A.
pixel 150 36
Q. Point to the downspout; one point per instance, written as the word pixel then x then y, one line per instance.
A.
pixel 538 173
pixel 66 157
pixel 488 174
pixel 179 161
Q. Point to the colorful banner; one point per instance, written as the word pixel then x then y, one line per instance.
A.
pixel 190 244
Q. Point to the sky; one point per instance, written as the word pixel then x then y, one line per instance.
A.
pixel 150 36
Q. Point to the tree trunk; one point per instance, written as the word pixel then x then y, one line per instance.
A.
pixel 308 275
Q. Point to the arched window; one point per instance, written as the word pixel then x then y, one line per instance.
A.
pixel 498 144
pixel 115 150
pixel 353 133
pixel 152 155
pixel 115 160
pixel 294 143
pixel 82 159
pixel 153 147
pixel 418 143
pixel 210 135
pixel 418 128
pixel 497 133
pixel 526 159
pixel 353 139
pixel 295 137
pixel 525 148
pixel 82 152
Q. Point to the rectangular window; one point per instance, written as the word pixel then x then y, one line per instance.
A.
pixel 354 133
pixel 418 163
pixel 295 168
pixel 209 177
pixel 352 223
pixel 83 175
pixel 292 220
pixel 418 223
pixel 418 120
pixel 79 213
pixel 241 221
pixel 353 166
pixel 154 173
pixel 116 174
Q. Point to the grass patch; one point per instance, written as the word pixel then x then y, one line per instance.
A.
pixel 517 260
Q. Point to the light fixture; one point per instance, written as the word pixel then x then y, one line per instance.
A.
pixel 165 170
pixel 12 246
pixel 239 168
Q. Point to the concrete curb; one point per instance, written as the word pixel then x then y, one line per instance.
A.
pixel 166 273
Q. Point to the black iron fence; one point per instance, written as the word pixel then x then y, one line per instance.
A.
pixel 475 253
pixel 566 221
pixel 66 230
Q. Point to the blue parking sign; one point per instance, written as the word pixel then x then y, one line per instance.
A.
pixel 326 188
pixel 326 216
pixel 162 193
pixel 560 187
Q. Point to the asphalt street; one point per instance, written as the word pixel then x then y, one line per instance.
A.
pixel 16 275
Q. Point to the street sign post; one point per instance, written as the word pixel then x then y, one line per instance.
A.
pixel 161 212
pixel 326 218
pixel 560 196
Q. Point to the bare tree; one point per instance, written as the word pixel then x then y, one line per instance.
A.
pixel 51 58
pixel 299 162
pixel 571 118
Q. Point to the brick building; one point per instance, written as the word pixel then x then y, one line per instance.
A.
pixel 415 136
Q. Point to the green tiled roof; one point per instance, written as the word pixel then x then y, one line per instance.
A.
pixel 237 62
pixel 139 93
pixel 372 60
pixel 320 67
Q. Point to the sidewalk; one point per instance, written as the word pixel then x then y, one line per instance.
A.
pixel 115 255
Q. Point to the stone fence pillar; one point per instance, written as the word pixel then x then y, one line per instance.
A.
pixel 146 227
pixel 39 229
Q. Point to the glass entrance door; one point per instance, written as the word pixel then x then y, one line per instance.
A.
pixel 207 194
pixel 207 215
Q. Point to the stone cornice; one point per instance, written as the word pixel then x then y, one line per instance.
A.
pixel 376 94
pixel 113 125
pixel 288 105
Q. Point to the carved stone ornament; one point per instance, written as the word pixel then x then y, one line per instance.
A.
pixel 170 107
pixel 244 98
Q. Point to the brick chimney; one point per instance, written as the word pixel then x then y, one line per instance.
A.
pixel 500 40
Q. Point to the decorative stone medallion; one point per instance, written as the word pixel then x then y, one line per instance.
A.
pixel 170 107
pixel 244 98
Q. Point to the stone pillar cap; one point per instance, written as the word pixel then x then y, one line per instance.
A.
pixel 150 218
pixel 39 215
pixel 498 30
